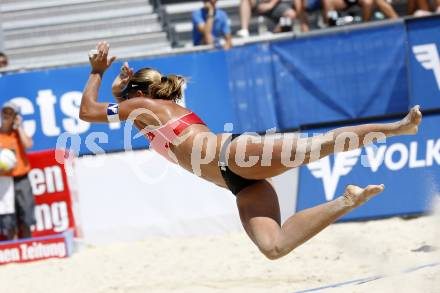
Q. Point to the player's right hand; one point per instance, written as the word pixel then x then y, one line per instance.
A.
pixel 99 58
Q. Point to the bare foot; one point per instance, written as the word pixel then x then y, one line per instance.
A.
pixel 355 196
pixel 410 124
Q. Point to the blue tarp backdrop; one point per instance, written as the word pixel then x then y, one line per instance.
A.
pixel 409 166
pixel 341 76
pixel 281 84
pixel 319 79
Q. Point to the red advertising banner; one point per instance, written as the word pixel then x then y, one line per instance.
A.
pixel 34 249
pixel 55 192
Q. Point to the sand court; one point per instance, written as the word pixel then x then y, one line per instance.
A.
pixel 231 263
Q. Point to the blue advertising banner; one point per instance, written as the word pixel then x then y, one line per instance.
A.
pixel 409 166
pixel 424 61
pixel 341 76
pixel 252 87
pixel 50 101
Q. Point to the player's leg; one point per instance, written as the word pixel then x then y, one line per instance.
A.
pixel 289 151
pixel 260 215
pixel 341 139
pixel 353 137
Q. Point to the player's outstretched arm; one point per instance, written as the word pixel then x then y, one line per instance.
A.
pixel 93 111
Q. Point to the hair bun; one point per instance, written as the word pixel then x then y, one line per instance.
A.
pixel 169 88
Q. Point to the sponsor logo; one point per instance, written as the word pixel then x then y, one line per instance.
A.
pixel 113 109
pixel 53 216
pixel 32 251
pixel 428 57
pixel 393 157
pixel 47 180
pixel 322 169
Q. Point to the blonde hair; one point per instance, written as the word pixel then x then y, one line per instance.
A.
pixel 160 87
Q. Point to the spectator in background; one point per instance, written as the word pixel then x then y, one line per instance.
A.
pixel 330 7
pixel 276 10
pixel 415 7
pixel 13 137
pixel 418 7
pixel 246 7
pixel 3 60
pixel 210 25
pixel 387 9
pixel 301 9
pixel 438 6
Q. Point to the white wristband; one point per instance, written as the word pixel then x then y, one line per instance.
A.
pixel 113 113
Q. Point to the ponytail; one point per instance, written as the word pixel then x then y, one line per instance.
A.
pixel 159 86
pixel 169 88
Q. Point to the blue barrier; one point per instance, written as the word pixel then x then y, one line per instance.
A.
pixel 409 166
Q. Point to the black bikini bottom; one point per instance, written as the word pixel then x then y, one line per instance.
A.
pixel 234 182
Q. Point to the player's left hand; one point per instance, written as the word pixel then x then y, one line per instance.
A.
pixel 122 79
pixel 99 58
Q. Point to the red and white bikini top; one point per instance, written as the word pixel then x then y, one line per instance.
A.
pixel 161 138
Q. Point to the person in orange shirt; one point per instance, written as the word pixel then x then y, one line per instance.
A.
pixel 13 137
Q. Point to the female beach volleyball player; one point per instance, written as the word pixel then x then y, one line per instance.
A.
pixel 178 134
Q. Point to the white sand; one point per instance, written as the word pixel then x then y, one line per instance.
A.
pixel 231 263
